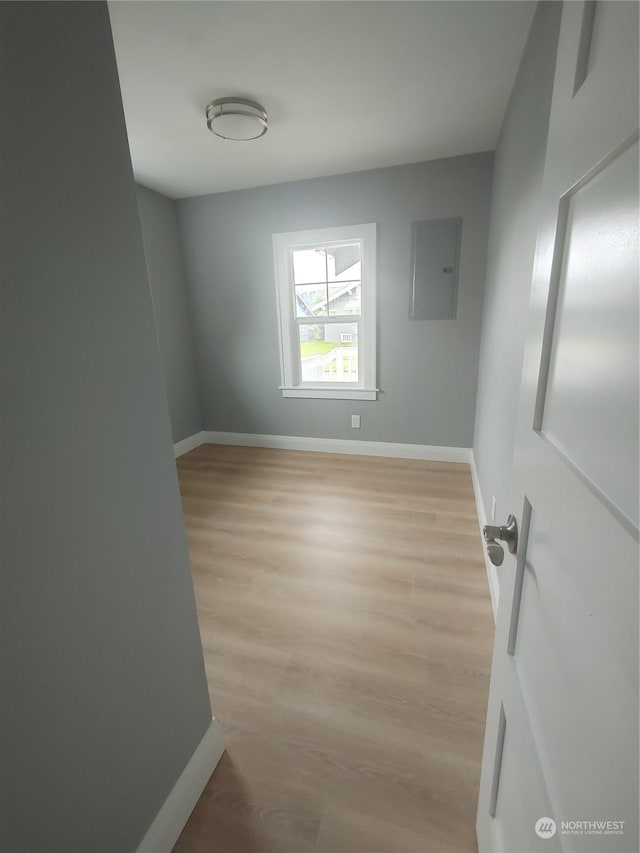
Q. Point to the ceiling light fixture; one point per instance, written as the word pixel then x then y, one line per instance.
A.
pixel 236 118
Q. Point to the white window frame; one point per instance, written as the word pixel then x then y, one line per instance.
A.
pixel 292 384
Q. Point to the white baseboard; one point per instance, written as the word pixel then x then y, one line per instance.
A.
pixel 395 450
pixel 170 820
pixel 189 443
pixel 492 572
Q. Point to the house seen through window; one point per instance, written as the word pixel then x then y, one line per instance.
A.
pixel 327 285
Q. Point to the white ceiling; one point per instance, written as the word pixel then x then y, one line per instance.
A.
pixel 348 86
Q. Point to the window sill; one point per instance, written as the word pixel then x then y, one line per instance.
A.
pixel 331 393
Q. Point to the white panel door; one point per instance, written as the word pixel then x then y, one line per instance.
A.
pixel 561 744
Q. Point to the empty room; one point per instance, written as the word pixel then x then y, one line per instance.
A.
pixel 319 434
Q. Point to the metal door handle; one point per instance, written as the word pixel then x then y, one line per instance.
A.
pixel 507 533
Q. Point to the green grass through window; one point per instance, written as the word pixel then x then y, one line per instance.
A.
pixel 319 347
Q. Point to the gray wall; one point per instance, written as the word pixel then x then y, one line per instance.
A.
pixel 170 303
pixel 514 222
pixel 104 695
pixel 426 370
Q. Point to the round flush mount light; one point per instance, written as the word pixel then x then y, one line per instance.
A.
pixel 236 118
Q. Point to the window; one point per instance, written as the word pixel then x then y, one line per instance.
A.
pixel 325 288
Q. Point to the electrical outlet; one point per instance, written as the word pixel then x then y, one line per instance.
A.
pixel 493 509
pixel 355 421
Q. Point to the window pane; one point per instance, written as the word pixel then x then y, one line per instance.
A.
pixel 344 299
pixel 311 300
pixel 329 352
pixel 343 263
pixel 309 265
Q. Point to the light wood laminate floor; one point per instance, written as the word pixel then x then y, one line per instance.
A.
pixel 347 634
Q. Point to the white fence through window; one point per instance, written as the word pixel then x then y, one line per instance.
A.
pixel 338 365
